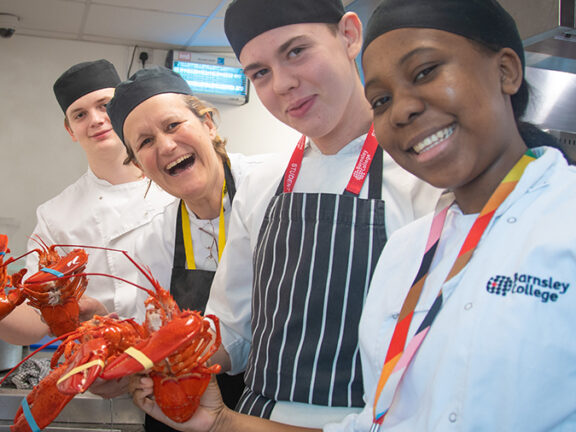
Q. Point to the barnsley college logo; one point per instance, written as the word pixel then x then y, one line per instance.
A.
pixel 544 289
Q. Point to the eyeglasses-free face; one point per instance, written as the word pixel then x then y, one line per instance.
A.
pixel 442 110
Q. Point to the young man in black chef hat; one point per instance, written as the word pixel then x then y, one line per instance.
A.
pixel 306 233
pixel 107 206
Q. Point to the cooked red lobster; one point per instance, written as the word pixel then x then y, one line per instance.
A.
pixel 173 344
pixel 55 298
pixel 85 353
pixel 176 353
pixel 179 345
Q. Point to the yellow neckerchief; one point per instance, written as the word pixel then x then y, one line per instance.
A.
pixel 188 235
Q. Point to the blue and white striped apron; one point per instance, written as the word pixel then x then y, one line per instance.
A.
pixel 315 257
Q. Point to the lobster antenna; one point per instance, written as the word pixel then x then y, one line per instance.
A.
pixel 147 274
pixel 39 241
pixel 149 292
pixel 12 259
pixel 36 238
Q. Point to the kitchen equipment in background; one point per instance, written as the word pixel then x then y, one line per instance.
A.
pixel 551 71
pixel 10 355
pixel 553 105
pixel 86 412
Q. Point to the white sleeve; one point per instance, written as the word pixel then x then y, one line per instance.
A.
pixel 407 197
pixel 231 293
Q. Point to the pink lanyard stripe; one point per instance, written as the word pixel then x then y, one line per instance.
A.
pixel 407 311
pixel 405 317
pixel 358 176
pixel 400 355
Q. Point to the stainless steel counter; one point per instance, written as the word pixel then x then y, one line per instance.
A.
pixel 86 412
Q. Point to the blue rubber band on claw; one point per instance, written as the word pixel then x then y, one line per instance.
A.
pixel 28 415
pixel 52 271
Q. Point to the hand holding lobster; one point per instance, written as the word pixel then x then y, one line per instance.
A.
pixel 174 345
pixel 57 299
pixel 176 352
pixel 205 419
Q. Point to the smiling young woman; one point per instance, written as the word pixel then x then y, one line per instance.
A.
pixel 437 121
pixel 462 332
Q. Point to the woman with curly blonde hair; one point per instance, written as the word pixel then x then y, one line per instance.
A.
pixel 172 137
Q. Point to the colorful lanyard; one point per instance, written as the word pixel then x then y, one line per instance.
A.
pixel 187 234
pixel 358 175
pixel 399 354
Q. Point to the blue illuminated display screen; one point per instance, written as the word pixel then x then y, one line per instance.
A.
pixel 212 79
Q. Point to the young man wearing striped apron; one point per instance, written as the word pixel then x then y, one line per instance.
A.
pixel 306 233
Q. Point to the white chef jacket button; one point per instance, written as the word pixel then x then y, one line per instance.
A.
pixel 99 198
pixel 395 316
pixel 468 306
pixel 511 220
pixel 452 417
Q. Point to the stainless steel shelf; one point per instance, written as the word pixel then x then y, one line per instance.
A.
pixel 85 412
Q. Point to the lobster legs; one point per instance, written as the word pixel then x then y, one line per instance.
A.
pixel 177 354
pixel 188 330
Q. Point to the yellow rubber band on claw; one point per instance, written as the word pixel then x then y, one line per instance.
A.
pixel 140 357
pixel 81 368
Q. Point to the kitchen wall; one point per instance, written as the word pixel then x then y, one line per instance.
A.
pixel 37 157
pixel 533 16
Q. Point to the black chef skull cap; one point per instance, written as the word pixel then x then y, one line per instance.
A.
pixel 483 21
pixel 139 87
pixel 84 78
pixel 246 19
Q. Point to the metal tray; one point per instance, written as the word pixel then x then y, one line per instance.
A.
pixel 85 409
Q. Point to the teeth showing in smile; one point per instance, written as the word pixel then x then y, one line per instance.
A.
pixel 181 163
pixel 433 140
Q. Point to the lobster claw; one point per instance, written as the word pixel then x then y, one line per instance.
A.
pixel 74 262
pixel 174 335
pixel 84 367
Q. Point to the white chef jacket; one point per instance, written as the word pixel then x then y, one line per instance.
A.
pixel 405 196
pixel 501 354
pixel 93 212
pixel 155 247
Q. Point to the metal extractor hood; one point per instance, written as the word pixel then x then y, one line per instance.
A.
pixel 551 72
